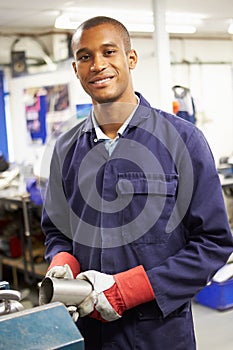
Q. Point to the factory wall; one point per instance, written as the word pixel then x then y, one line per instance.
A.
pixel 204 66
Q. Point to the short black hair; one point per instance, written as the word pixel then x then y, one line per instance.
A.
pixel 96 21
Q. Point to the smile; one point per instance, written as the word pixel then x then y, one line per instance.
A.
pixel 101 81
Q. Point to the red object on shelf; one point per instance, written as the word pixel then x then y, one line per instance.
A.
pixel 15 247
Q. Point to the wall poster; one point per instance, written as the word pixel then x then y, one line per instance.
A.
pixel 46 108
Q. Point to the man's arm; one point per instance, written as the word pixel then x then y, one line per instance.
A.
pixel 55 224
pixel 205 229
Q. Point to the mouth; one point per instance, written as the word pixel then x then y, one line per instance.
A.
pixel 101 81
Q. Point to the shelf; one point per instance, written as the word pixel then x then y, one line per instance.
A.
pixel 33 272
pixel 18 263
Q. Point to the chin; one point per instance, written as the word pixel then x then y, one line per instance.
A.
pixel 105 99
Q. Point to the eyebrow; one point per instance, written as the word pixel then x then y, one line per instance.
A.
pixel 80 51
pixel 86 49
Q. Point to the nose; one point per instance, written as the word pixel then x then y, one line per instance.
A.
pixel 98 64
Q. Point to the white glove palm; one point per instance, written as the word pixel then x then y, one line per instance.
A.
pixel 97 300
pixel 60 272
pixel 112 295
pixel 72 309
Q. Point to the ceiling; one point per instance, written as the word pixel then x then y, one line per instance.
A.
pixel 214 16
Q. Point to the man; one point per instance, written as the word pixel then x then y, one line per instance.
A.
pixel 133 205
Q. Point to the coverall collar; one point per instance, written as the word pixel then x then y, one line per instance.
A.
pixel 142 112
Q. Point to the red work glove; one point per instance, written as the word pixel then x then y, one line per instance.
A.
pixel 112 295
pixel 63 265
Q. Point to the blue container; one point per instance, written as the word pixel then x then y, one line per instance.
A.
pixel 216 295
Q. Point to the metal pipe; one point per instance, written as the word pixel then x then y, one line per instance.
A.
pixel 67 291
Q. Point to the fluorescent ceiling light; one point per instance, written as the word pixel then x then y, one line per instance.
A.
pixel 140 27
pixel 176 23
pixel 69 22
pixel 184 18
pixel 65 22
pixel 180 29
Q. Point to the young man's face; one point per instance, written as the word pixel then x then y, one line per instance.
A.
pixel 102 65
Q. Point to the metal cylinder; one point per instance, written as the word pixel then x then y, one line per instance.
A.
pixel 67 291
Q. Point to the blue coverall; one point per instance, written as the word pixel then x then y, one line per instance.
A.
pixel 156 201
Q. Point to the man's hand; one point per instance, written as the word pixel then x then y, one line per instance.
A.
pixel 60 272
pixel 114 294
pixel 63 265
pixel 72 309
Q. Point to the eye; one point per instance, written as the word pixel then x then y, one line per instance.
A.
pixel 83 58
pixel 110 52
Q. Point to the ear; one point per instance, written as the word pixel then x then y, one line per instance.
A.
pixel 132 59
pixel 74 65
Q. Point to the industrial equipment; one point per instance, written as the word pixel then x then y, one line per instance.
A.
pixel 43 327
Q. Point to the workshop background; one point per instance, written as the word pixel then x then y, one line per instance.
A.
pixel 185 66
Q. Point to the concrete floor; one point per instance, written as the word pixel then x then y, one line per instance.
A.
pixel 214 329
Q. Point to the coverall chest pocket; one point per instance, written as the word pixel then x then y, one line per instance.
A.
pixel 152 200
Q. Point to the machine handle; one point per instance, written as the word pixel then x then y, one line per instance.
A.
pixel 10 294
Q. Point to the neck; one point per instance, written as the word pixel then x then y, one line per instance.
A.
pixel 111 116
pixel 111 129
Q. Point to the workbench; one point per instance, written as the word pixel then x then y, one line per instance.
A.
pixel 32 271
pixel 226 182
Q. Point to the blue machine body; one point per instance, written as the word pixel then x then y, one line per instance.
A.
pixel 43 327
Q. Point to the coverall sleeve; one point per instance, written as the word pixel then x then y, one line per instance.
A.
pixel 55 213
pixel 207 235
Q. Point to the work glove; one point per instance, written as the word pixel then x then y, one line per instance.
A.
pixel 60 272
pixel 114 294
pixel 72 309
pixel 63 265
